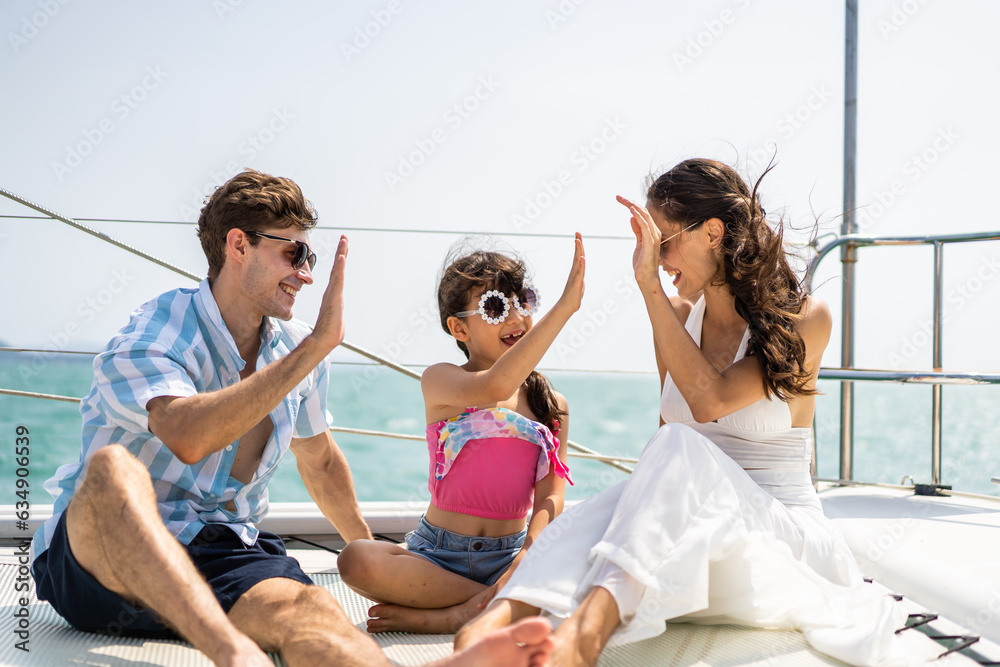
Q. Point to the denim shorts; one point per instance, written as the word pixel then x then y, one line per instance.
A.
pixel 229 566
pixel 481 559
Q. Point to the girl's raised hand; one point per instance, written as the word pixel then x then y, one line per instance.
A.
pixel 646 257
pixel 572 296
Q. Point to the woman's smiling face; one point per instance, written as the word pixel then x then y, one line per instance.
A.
pixel 686 253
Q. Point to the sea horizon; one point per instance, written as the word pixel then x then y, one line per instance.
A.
pixel 612 413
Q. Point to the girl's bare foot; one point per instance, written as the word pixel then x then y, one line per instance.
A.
pixel 397 618
pixel 527 643
pixel 499 614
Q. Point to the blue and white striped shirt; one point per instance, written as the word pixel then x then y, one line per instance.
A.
pixel 178 345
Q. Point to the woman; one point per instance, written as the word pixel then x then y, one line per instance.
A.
pixel 719 522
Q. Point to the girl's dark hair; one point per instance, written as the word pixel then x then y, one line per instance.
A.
pixel 482 270
pixel 768 294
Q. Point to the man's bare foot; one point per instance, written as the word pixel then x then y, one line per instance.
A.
pixel 499 614
pixel 527 643
pixel 397 618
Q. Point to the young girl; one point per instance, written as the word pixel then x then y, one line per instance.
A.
pixel 496 433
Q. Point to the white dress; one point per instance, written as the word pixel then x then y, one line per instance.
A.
pixel 719 523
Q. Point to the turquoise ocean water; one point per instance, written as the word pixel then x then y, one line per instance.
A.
pixel 612 413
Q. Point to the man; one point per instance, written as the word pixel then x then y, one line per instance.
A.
pixel 193 404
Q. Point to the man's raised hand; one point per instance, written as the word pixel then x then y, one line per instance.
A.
pixel 329 327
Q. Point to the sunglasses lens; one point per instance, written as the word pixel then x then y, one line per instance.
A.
pixel 493 306
pixel 528 298
pixel 302 255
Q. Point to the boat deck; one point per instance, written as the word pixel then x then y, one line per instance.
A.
pixel 53 642
pixel 940 550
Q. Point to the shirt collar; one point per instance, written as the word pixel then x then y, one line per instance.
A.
pixel 211 315
pixel 270 332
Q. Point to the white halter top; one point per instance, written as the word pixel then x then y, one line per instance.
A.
pixel 759 436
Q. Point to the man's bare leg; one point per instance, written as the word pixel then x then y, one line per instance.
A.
pixel 303 623
pixel 308 627
pixel 581 638
pixel 116 534
pixel 499 614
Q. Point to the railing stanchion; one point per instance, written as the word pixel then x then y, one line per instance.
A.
pixel 847 430
pixel 848 255
pixel 936 396
pixel 848 258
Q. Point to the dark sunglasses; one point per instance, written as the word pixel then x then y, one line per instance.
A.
pixel 302 252
pixel 494 306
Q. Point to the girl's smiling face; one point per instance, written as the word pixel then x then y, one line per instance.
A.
pixel 486 341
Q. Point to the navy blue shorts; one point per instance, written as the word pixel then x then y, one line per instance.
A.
pixel 230 567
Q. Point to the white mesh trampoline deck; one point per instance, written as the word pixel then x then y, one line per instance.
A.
pixel 53 642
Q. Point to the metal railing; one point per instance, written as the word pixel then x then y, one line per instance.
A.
pixel 936 377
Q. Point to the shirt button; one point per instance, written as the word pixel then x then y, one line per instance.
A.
pixel 229 448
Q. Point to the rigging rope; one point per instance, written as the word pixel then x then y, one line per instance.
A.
pixel 389 230
pixel 104 237
pixel 32 394
pixel 587 454
pixel 585 371
pixel 403 436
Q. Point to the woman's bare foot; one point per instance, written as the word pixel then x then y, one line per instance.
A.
pixel 397 618
pixel 580 639
pixel 566 649
pixel 527 643
pixel 499 614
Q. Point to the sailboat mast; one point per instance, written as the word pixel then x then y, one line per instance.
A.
pixel 848 254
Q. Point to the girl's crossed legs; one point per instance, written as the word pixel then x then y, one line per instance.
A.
pixel 418 593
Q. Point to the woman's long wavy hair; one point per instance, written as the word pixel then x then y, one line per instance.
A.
pixel 468 275
pixel 768 294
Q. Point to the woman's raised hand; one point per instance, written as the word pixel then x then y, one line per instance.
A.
pixel 572 296
pixel 646 257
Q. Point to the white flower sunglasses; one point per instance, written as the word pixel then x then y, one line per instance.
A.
pixel 494 306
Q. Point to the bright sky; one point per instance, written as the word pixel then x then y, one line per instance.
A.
pixel 498 118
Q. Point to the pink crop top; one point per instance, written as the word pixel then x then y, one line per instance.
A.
pixel 503 454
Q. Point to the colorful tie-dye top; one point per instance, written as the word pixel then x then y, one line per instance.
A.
pixel 505 454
